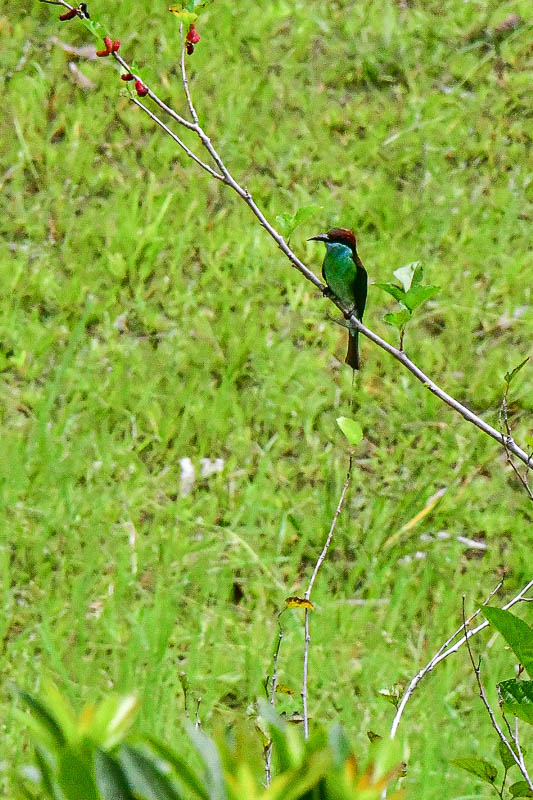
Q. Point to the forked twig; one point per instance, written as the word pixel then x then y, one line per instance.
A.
pixel 446 650
pixel 477 671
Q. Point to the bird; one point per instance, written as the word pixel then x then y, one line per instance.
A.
pixel 346 276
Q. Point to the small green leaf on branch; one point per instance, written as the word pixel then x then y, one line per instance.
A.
pixel 505 756
pixel 289 222
pixel 398 319
pixel 187 17
pixel 351 429
pixel 418 295
pixel 517 633
pixel 393 290
pixel 94 27
pixel 520 789
pixel 517 698
pixel 510 375
pixel 410 275
pixel 478 767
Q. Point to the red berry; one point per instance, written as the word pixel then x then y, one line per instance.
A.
pixel 192 36
pixel 189 47
pixel 116 45
pixel 70 14
pixel 102 53
pixel 127 76
pixel 141 89
pixel 108 43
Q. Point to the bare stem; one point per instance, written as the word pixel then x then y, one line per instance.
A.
pixel 271 697
pixel 446 650
pixel 507 437
pixel 307 595
pixel 184 79
pixel 490 712
pixel 178 141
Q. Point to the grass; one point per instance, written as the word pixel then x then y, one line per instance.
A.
pixel 146 318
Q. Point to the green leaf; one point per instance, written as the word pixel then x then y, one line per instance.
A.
pixel 478 767
pixel 211 758
pixel 96 28
pixel 285 221
pixel 520 789
pixel 46 728
pixel 398 319
pixel 289 222
pixel 110 779
pixel 505 756
pixel 410 275
pixel 304 213
pixel 418 295
pixel 144 777
pixel 180 766
pixel 508 377
pixel 186 17
pixel 74 776
pixel 340 745
pixel 112 720
pixel 517 698
pixel 516 632
pixel 393 290
pixel 47 777
pixel 351 429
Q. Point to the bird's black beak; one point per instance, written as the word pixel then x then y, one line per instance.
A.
pixel 321 237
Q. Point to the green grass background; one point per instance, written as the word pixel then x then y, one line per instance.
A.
pixel 145 317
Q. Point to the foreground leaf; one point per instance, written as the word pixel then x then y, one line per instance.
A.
pixel 110 778
pixel 45 725
pixel 144 777
pixel 181 768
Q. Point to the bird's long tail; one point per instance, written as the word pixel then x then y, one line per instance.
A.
pixel 352 356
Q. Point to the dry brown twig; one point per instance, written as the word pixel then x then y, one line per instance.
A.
pixel 223 174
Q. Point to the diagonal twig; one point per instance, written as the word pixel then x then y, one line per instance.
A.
pixel 447 650
pixel 309 589
pixel 477 671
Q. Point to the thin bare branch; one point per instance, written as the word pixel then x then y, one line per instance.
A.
pixel 490 712
pixel 309 589
pixel 271 696
pixel 445 651
pixel 504 417
pixel 184 79
pixel 179 141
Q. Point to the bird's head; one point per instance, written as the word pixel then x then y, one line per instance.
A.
pixel 337 236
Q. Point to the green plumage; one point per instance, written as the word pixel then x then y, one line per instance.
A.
pixel 346 277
